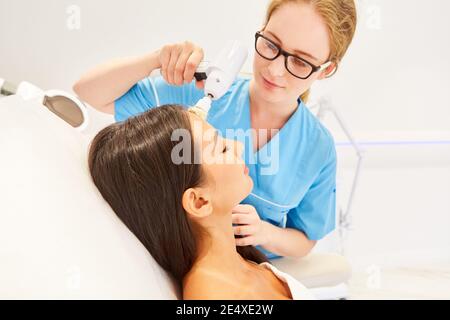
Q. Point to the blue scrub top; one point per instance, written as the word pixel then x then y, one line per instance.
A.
pixel 294 174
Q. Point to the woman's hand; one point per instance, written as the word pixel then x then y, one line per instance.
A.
pixel 179 62
pixel 249 225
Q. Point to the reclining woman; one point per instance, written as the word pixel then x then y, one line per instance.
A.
pixel 181 212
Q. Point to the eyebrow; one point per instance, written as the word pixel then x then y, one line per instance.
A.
pixel 296 51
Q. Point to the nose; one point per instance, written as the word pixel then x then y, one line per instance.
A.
pixel 276 67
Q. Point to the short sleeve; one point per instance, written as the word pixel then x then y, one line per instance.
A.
pixel 145 95
pixel 316 213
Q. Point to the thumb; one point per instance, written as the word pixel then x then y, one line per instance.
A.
pixel 240 209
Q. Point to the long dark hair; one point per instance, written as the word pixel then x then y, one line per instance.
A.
pixel 130 163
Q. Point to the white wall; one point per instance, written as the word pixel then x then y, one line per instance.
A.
pixel 392 86
pixel 395 77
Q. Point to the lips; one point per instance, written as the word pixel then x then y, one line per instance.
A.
pixel 271 84
pixel 246 170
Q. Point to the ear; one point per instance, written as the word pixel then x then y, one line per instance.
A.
pixel 329 71
pixel 197 203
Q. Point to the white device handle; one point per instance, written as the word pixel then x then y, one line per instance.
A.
pixel 223 70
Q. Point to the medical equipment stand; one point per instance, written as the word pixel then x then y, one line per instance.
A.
pixel 324 106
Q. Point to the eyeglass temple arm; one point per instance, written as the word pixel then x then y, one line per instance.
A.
pixel 324 66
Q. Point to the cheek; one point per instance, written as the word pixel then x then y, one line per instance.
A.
pixel 228 185
pixel 233 176
pixel 225 174
pixel 231 173
pixel 231 184
pixel 259 63
pixel 299 86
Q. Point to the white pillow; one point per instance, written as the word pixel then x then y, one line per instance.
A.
pixel 59 239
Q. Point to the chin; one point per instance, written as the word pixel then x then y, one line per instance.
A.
pixel 250 185
pixel 243 185
pixel 268 95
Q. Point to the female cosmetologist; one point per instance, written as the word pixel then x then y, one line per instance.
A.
pixel 292 203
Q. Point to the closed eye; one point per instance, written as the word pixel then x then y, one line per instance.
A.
pixel 225 146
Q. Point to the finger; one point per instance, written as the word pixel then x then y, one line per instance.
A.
pixel 164 60
pixel 239 208
pixel 181 65
pixel 192 63
pixel 246 241
pixel 243 208
pixel 174 54
pixel 240 218
pixel 244 230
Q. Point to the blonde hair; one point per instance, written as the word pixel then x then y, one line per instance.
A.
pixel 340 17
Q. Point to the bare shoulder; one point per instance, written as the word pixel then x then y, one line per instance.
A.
pixel 206 285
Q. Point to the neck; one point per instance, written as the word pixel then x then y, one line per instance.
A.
pixel 218 248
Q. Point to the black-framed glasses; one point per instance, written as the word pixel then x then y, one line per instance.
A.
pixel 298 67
